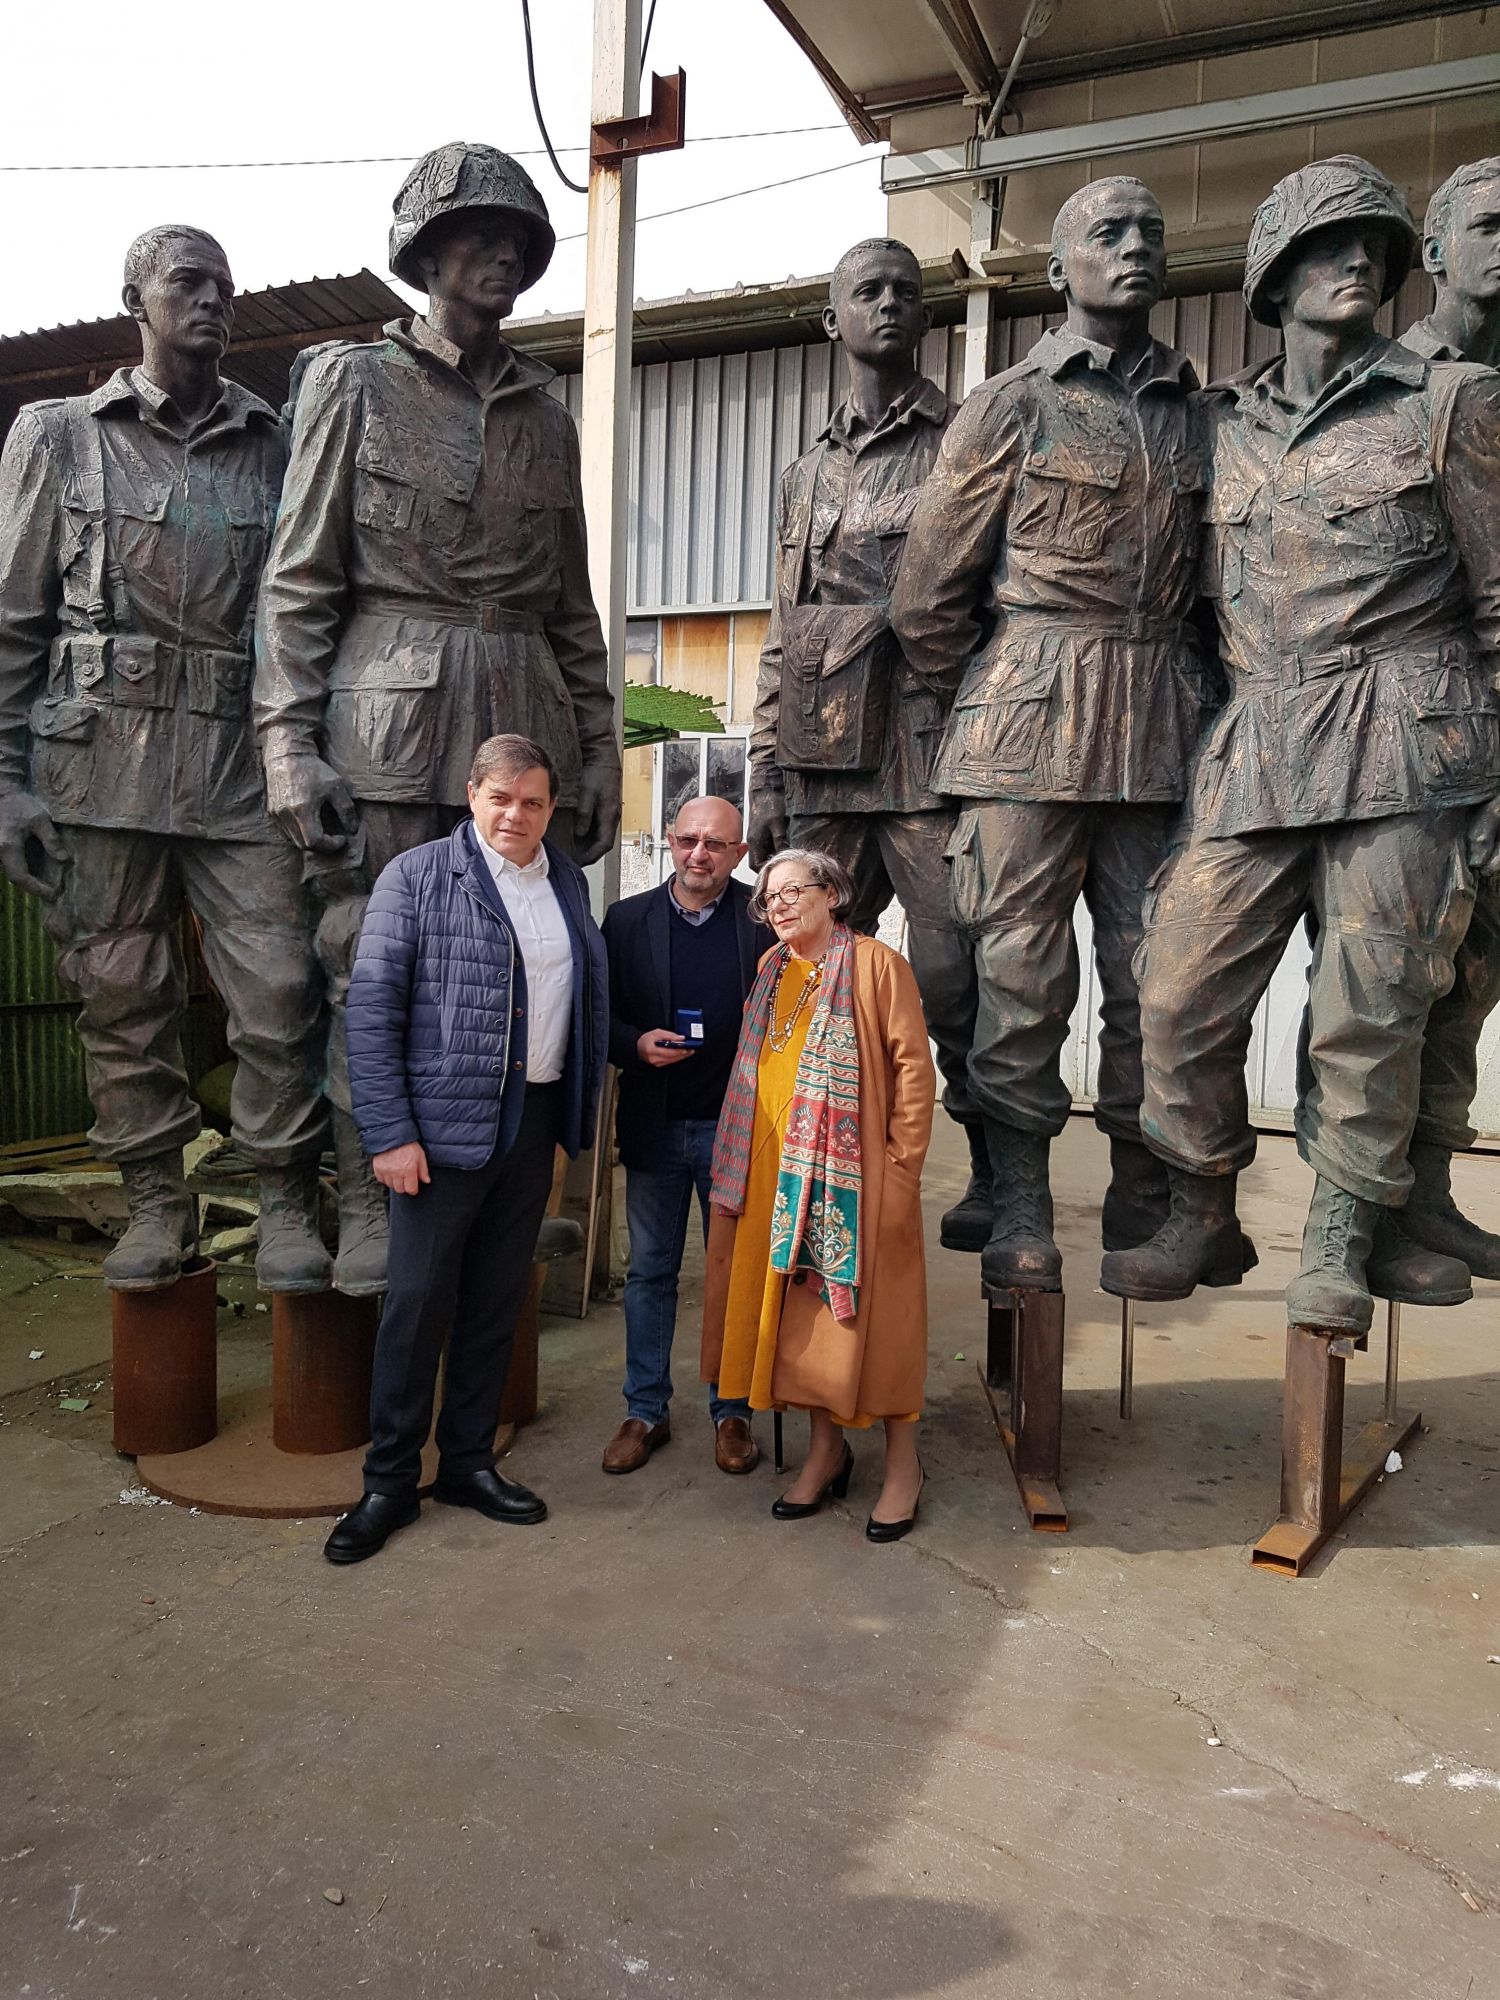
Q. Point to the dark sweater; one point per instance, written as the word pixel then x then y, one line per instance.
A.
pixel 705 974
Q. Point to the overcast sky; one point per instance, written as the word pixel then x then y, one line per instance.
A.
pixel 303 79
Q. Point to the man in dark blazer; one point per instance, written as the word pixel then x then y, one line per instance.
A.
pixel 681 960
pixel 478 1024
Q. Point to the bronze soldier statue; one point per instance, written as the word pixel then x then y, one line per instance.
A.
pixel 133 526
pixel 1354 558
pixel 1461 249
pixel 428 587
pixel 844 737
pixel 1053 558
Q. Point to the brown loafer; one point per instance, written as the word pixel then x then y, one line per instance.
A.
pixel 735 1449
pixel 633 1443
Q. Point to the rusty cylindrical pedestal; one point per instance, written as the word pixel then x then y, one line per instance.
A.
pixel 322 1352
pixel 166 1364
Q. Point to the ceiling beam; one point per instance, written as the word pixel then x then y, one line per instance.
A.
pixel 1189 124
pixel 965 42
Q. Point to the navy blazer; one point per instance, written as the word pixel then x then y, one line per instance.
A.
pixel 437 1008
pixel 639 944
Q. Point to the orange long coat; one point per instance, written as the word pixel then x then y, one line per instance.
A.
pixel 877 1365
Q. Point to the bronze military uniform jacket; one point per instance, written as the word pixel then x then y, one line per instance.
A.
pixel 428 582
pixel 1354 559
pixel 838 710
pixel 1053 561
pixel 130 551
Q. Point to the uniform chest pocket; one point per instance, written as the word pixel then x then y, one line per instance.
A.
pixel 1226 519
pixel 889 520
pixel 405 482
pixel 137 523
pixel 1066 499
pixel 1383 510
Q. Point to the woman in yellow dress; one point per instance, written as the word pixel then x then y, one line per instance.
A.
pixel 816 1293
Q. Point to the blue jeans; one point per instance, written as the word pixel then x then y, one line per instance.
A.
pixel 657 1202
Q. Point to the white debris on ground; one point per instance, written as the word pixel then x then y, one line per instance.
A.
pixel 139 1496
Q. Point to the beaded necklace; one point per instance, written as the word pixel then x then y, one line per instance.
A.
pixel 779 1037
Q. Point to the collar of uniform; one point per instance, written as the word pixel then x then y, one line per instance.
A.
pixel 1259 388
pixel 1062 349
pixel 923 399
pixel 135 387
pixel 522 371
pixel 535 871
pixel 1423 339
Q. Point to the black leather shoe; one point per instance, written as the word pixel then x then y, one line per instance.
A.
pixel 895 1531
pixel 837 1487
pixel 365 1529
pixel 487 1493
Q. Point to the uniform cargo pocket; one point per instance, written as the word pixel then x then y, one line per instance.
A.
pixel 219 685
pixel 62 753
pixel 836 671
pixel 1456 727
pixel 384 715
pixel 141 674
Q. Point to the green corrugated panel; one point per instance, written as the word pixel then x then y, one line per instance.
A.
pixel 42 1090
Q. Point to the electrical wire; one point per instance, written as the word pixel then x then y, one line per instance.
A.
pixel 363 159
pixel 646 38
pixel 735 194
pixel 578 187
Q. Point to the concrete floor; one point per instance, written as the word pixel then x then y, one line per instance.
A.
pixel 665 1746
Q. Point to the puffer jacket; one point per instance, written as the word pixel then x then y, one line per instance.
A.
pixel 437 1008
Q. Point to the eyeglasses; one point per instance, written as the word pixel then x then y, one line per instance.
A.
pixel 688 841
pixel 791 895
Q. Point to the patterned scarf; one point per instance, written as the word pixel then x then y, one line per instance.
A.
pixel 815 1225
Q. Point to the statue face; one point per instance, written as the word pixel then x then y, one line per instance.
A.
pixel 476 259
pixel 876 307
pixel 1115 257
pixel 1334 277
pixel 1466 258
pixel 187 300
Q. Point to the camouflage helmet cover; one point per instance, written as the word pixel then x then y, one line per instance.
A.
pixel 459 176
pixel 1343 188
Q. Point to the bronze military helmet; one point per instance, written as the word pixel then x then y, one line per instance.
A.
pixel 459 176
pixel 1343 188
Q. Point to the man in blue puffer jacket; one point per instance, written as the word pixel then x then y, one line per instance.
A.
pixel 478 1034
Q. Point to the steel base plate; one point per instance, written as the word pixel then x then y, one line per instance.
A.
pixel 1287 1547
pixel 1041 1498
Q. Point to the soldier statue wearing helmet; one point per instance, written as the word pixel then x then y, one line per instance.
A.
pixel 428 586
pixel 1353 558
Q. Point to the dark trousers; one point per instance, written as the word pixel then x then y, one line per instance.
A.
pixel 905 855
pixel 1018 869
pixel 460 1263
pixel 1391 898
pixel 116 922
pixel 1450 1055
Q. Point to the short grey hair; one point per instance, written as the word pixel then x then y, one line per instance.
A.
pixel 508 756
pixel 821 868
pixel 147 255
pixel 870 246
pixel 1439 217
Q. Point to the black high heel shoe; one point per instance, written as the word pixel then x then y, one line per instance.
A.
pixel 837 1487
pixel 892 1531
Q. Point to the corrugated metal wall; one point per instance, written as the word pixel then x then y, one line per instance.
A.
pixel 709 439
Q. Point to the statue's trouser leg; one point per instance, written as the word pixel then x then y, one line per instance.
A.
pixel 257 943
pixel 1017 871
pixel 389 830
pixel 1391 898
pixel 1450 1053
pixel 115 923
pixel 1129 844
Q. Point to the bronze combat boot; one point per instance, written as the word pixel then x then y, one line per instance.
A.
pixel 364 1215
pixel 1020 1254
pixel 1139 1197
pixel 1198 1244
pixel 163 1231
pixel 291 1257
pixel 967 1225
pixel 1403 1269
pixel 1433 1219
pixel 1332 1290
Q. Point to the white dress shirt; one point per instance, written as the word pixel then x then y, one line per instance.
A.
pixel 547 954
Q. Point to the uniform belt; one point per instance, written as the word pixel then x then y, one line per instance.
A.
pixel 478 617
pixel 1129 625
pixel 1293 669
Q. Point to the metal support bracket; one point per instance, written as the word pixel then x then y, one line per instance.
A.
pixel 1024 1365
pixel 662 130
pixel 1322 1479
pixel 1127 1358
